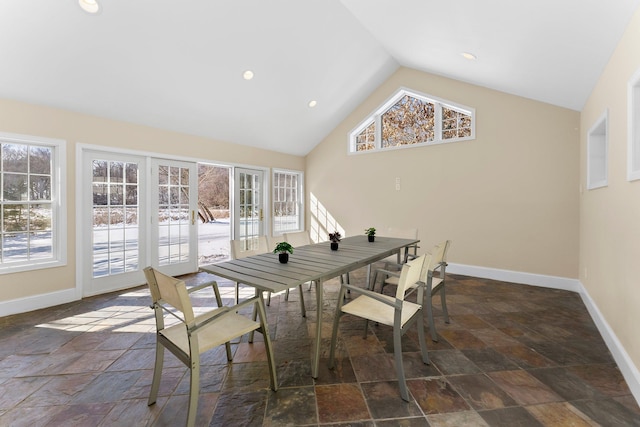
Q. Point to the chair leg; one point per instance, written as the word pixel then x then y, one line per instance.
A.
pixel 194 388
pixel 227 347
pixel 443 299
pixel 268 298
pixel 303 310
pixel 344 278
pixel 421 337
pixel 372 285
pixel 334 332
pixel 432 324
pixel 157 373
pixel 237 293
pixel 397 352
pixel 264 328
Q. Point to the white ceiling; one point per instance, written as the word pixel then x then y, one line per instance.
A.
pixel 178 65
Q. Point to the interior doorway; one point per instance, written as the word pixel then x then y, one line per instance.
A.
pixel 214 217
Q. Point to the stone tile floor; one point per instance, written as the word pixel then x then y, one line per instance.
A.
pixel 513 355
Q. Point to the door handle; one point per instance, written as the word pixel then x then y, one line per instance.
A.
pixel 193 217
pixel 261 217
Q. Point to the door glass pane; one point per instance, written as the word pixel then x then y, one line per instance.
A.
pixel 173 215
pixel 250 204
pixel 115 217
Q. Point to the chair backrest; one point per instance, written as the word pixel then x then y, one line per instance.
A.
pixel 273 241
pixel 242 248
pixel 300 238
pixel 439 253
pixel 171 291
pixel 410 274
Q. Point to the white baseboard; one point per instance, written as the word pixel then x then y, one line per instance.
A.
pixel 553 282
pixel 626 365
pixel 620 355
pixel 23 305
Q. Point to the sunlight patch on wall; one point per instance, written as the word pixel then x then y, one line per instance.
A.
pixel 322 222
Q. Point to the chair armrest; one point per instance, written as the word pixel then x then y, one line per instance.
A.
pixel 371 294
pixel 221 311
pixel 388 272
pixel 382 271
pixel 197 288
pixel 389 264
pixel 204 323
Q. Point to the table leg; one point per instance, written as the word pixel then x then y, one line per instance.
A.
pixel 315 364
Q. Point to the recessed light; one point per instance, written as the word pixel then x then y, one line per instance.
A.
pixel 312 103
pixel 247 75
pixel 90 6
pixel 469 56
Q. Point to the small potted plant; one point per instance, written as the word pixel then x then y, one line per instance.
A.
pixel 335 238
pixel 371 233
pixel 283 249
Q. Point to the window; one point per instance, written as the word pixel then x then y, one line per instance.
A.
pixel 412 119
pixel 597 154
pixel 31 210
pixel 633 154
pixel 287 202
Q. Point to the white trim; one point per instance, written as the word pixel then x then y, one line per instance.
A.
pixel 58 203
pixel 627 367
pixel 633 127
pixel 36 302
pixel 554 282
pixel 109 149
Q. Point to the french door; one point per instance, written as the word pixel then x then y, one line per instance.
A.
pixel 174 204
pixel 112 247
pixel 134 211
pixel 248 204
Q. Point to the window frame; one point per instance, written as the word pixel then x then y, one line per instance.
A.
pixel 300 201
pixel 58 204
pixel 376 118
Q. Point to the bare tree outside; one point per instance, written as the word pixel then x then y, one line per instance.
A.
pixel 413 120
pixel 213 211
pixel 213 192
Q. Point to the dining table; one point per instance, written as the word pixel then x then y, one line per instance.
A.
pixel 315 263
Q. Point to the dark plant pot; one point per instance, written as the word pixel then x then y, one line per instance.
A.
pixel 371 238
pixel 334 246
pixel 284 258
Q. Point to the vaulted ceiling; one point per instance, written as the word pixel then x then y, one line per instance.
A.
pixel 179 65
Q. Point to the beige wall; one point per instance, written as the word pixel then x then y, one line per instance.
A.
pixel 610 216
pixel 21 118
pixel 508 199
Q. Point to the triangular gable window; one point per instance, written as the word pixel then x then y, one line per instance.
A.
pixel 413 119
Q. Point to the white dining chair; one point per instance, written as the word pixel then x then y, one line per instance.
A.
pixel 434 284
pixel 396 312
pixel 187 336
